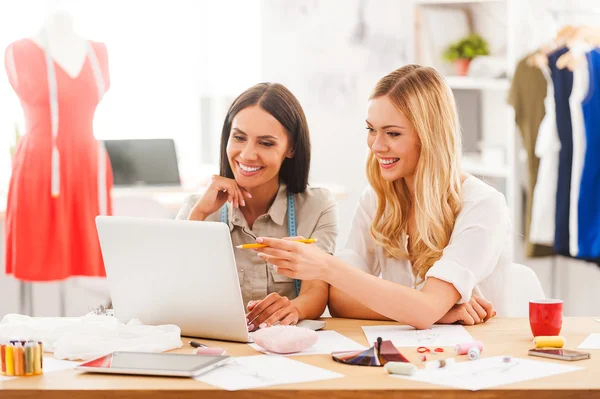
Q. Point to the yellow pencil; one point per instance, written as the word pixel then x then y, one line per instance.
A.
pixel 254 246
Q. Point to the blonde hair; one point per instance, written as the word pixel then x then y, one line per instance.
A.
pixel 424 98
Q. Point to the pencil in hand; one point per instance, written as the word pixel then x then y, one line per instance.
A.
pixel 254 246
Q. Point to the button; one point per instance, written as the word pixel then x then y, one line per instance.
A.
pixel 236 220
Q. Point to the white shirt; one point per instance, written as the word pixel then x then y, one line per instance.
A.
pixel 578 94
pixel 547 147
pixel 476 258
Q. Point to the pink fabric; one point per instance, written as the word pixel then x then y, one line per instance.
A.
pixel 285 339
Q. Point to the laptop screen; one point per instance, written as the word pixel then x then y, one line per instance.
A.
pixel 143 162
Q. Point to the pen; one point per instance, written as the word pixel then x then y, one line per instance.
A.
pixel 195 344
pixel 254 246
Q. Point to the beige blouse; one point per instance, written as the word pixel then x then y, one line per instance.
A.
pixel 316 217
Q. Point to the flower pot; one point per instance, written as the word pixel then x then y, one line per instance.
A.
pixel 462 66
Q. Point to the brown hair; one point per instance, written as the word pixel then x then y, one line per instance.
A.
pixel 278 101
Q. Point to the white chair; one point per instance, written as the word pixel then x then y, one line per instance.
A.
pixel 524 286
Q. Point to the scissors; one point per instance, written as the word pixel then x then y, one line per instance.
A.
pixel 424 349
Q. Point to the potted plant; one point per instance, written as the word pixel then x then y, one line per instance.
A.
pixel 462 52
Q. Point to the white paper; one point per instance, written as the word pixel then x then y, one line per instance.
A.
pixel 247 372
pixel 407 336
pixel 329 341
pixel 591 342
pixel 50 364
pixel 489 372
pixel 598 320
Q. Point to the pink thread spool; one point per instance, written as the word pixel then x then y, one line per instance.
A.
pixel 463 349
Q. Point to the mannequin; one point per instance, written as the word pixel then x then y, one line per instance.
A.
pixel 68 48
pixel 61 175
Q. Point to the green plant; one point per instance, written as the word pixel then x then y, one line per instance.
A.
pixel 468 47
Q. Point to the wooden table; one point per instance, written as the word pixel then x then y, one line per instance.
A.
pixel 500 336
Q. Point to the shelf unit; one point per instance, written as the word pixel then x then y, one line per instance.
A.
pixel 489 110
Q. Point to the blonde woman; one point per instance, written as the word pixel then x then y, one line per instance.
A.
pixel 428 243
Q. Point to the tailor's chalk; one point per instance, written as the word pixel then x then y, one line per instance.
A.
pixel 438 364
pixel 210 351
pixel 549 342
pixel 400 368
pixel 473 353
pixel 463 349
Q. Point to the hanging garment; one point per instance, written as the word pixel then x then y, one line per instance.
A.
pixel 589 194
pixel 547 148
pixel 579 92
pixel 527 94
pixel 61 175
pixel 563 84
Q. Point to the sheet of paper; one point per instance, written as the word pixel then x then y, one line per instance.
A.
pixel 591 342
pixel 490 372
pixel 247 372
pixel 598 320
pixel 51 364
pixel 329 341
pixel 406 336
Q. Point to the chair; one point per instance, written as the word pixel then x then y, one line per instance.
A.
pixel 524 286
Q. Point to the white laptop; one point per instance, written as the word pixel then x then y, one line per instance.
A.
pixel 163 271
pixel 180 272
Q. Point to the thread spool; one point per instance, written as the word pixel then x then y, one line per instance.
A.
pixel 549 342
pixel 463 349
pixel 400 368
pixel 21 358
pixel 473 353
pixel 3 357
pixel 506 359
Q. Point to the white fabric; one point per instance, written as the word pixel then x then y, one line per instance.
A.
pixel 547 147
pixel 90 336
pixel 476 258
pixel 525 286
pixel 579 92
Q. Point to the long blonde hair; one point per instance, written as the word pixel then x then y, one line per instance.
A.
pixel 424 98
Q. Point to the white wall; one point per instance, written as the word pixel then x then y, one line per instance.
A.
pixel 310 46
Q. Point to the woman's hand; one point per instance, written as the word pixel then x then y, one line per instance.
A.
pixel 294 259
pixel 219 190
pixel 274 308
pixel 476 311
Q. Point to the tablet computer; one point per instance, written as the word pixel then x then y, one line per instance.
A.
pixel 160 364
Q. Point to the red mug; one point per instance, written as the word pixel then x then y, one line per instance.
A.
pixel 545 316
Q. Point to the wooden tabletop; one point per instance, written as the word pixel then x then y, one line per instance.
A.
pixel 500 336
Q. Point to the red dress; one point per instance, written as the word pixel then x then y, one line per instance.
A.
pixel 51 233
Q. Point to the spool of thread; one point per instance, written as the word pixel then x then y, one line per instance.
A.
pixel 549 342
pixel 21 358
pixel 37 359
pixel 10 362
pixel 506 359
pixel 210 351
pixel 463 349
pixel 473 353
pixel 400 368
pixel 29 360
pixel 3 357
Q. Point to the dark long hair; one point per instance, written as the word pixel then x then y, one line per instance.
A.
pixel 278 101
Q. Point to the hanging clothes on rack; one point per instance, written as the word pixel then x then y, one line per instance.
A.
pixel 579 92
pixel 563 85
pixel 527 94
pixel 547 148
pixel 589 195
